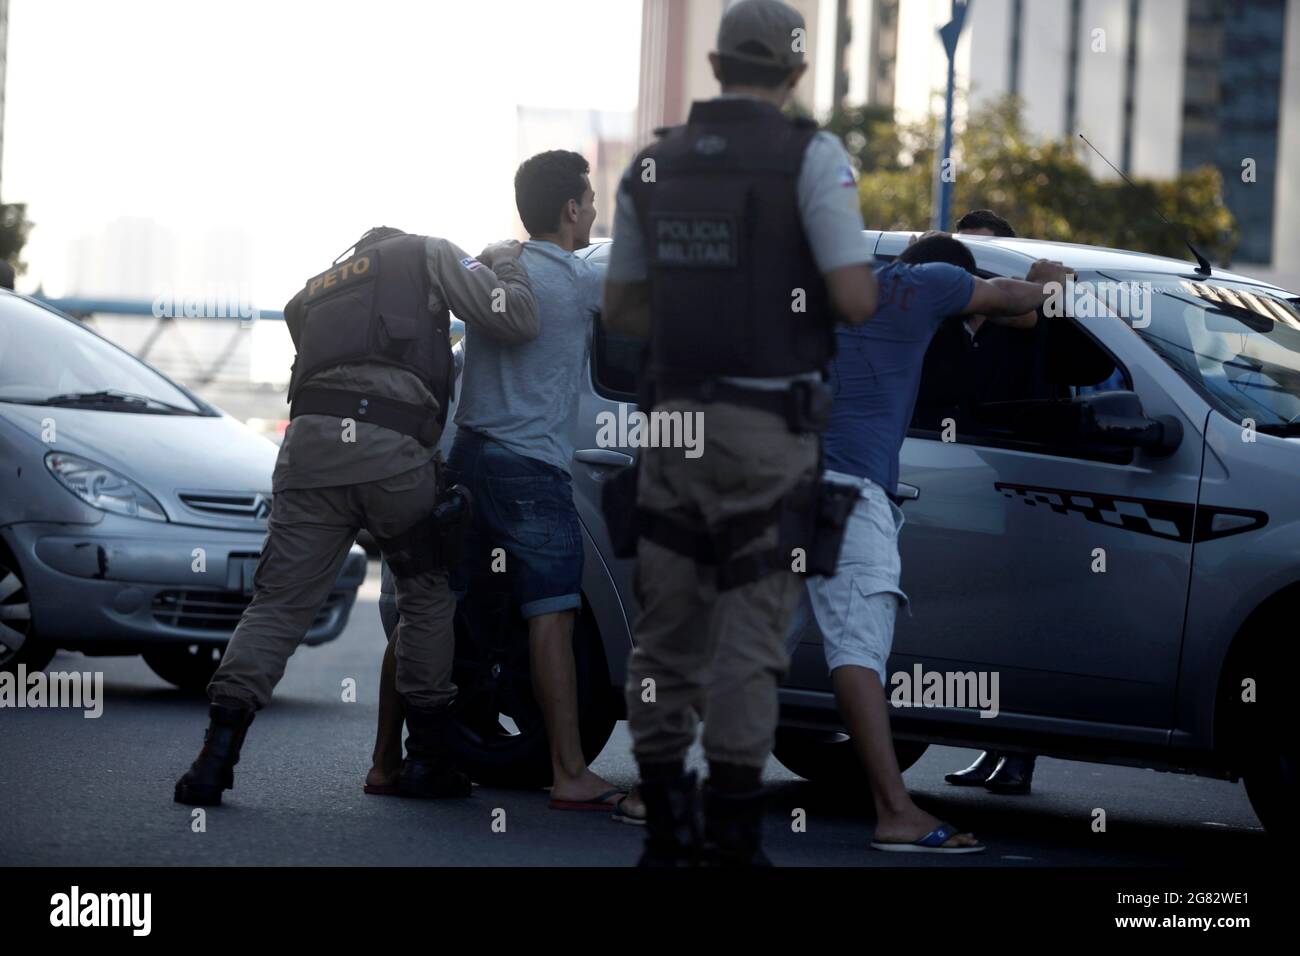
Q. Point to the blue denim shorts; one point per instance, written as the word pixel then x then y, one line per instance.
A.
pixel 525 527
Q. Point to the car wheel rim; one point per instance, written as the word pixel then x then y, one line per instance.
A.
pixel 15 615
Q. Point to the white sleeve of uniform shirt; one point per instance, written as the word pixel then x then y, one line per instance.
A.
pixel 627 258
pixel 829 207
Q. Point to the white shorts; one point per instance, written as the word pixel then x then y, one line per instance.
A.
pixel 855 609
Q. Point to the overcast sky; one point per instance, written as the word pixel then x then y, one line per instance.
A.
pixel 300 122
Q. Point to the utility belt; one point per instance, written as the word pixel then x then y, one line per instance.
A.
pixel 434 543
pixel 805 405
pixel 810 520
pixel 405 417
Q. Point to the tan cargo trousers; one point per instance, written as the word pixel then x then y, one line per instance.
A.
pixel 311 530
pixel 701 653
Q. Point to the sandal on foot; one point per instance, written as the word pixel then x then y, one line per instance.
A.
pixel 602 803
pixel 932 842
pixel 623 816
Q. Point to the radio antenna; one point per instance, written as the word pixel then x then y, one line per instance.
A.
pixel 1202 263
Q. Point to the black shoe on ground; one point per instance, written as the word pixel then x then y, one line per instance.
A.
pixel 429 769
pixel 432 780
pixel 976 773
pixel 673 836
pixel 1014 775
pixel 214 769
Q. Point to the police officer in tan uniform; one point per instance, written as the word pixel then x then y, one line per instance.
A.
pixel 737 246
pixel 369 392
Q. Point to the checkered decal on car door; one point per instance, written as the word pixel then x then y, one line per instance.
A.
pixel 1172 520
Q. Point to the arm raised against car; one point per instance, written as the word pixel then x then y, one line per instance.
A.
pixel 1014 302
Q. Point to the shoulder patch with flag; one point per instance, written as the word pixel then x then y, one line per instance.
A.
pixel 472 264
pixel 847 176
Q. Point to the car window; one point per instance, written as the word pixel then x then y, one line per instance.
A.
pixel 978 378
pixel 42 355
pixel 1237 344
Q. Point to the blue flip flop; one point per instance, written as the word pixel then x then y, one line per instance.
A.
pixel 932 842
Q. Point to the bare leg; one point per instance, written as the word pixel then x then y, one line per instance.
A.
pixel 387 760
pixel 861 700
pixel 555 685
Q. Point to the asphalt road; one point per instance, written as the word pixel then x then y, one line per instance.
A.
pixel 98 792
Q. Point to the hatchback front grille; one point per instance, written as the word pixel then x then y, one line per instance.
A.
pixel 218 610
pixel 253 505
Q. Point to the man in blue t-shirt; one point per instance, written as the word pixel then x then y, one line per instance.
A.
pixel 876 376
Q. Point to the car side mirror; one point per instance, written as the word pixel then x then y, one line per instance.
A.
pixel 1098 419
pixel 1117 418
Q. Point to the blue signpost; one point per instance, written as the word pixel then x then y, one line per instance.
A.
pixel 950 33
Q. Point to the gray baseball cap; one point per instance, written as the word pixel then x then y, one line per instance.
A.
pixel 763 32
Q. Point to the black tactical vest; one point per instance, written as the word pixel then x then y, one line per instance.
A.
pixel 373 307
pixel 730 266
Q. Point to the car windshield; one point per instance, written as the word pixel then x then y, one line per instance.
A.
pixel 45 357
pixel 1237 344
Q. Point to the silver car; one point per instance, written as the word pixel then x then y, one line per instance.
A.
pixel 132 513
pixel 1120 544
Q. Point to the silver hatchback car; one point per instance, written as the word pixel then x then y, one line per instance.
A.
pixel 1119 541
pixel 132 513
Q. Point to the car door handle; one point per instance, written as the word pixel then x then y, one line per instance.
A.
pixel 603 457
pixel 908 492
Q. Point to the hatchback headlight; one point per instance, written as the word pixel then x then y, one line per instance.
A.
pixel 103 488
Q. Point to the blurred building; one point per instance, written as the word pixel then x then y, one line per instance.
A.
pixel 676 37
pixel 604 137
pixel 1158 86
pixel 4 64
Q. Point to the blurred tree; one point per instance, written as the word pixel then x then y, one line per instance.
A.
pixel 1041 186
pixel 14 229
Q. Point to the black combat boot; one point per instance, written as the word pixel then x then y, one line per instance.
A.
pixel 976 773
pixel 672 821
pixel 733 827
pixel 1014 776
pixel 429 769
pixel 214 769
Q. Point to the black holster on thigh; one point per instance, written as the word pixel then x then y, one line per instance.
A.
pixel 434 543
pixel 810 521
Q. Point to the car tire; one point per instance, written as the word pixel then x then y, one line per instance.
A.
pixel 828 759
pixel 1264 740
pixel 189 668
pixel 19 644
pixel 493 680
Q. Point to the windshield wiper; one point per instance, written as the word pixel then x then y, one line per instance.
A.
pixel 115 397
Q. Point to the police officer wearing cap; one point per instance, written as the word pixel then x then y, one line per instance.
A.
pixel 369 396
pixel 738 245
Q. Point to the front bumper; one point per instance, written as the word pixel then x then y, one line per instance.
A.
pixel 119 585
